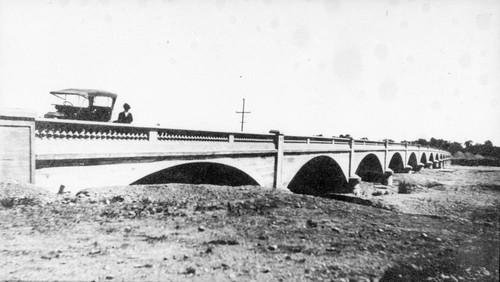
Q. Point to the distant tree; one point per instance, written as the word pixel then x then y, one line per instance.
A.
pixel 487 149
pixel 468 144
pixel 422 142
pixel 345 136
pixel 433 142
pixel 454 147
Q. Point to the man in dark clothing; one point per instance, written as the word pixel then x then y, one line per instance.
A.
pixel 125 116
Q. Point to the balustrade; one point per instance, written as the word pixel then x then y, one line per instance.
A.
pixel 315 140
pixel 49 129
pixel 165 136
pixel 64 130
pixel 264 139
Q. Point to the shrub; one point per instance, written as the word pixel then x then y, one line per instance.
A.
pixel 405 188
pixel 7 203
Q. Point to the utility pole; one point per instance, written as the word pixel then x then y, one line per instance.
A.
pixel 243 115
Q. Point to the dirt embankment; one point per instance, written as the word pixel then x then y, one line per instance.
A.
pixel 446 229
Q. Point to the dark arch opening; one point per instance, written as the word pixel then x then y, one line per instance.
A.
pixel 370 169
pixel 413 161
pixel 319 177
pixel 423 159
pixel 397 164
pixel 199 173
pixel 431 158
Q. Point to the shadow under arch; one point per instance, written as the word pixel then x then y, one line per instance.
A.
pixel 199 173
pixel 397 164
pixel 319 177
pixel 423 159
pixel 370 169
pixel 412 161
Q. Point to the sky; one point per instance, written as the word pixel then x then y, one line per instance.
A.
pixel 397 69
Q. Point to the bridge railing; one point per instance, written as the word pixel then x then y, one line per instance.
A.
pixel 312 143
pixel 165 134
pixel 51 129
pixel 113 137
pixel 315 140
pixel 80 130
pixel 295 142
pixel 79 139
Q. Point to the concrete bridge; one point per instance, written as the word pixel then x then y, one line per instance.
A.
pixel 80 154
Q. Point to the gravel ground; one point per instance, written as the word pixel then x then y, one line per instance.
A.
pixel 445 229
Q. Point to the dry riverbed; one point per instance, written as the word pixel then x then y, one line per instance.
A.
pixel 445 229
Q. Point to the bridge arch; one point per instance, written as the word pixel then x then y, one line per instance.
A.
pixel 199 173
pixel 412 161
pixel 423 158
pixel 431 158
pixel 370 169
pixel 320 176
pixel 397 164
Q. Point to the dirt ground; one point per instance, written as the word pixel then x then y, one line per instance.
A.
pixel 444 228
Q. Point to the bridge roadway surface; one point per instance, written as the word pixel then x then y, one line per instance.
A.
pixel 81 154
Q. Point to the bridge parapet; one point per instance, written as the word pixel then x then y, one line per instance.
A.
pixel 50 129
pixel 51 135
pixel 368 142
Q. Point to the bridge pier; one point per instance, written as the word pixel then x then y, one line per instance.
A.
pixel 354 182
pixel 419 167
pixel 408 168
pixel 436 164
pixel 428 165
pixel 388 177
pixel 279 142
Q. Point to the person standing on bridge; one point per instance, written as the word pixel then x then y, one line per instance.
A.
pixel 125 116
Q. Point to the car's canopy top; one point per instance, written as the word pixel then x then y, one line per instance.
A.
pixel 84 93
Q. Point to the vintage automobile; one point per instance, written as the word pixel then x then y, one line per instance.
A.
pixel 83 104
